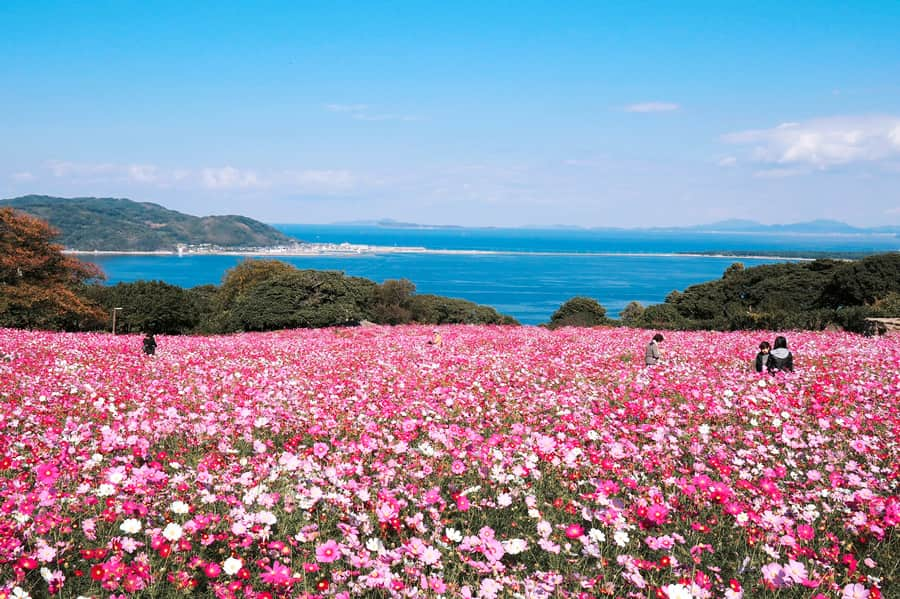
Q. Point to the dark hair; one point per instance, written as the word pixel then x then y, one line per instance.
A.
pixel 765 345
pixel 658 337
pixel 780 342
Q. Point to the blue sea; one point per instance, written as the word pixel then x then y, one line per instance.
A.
pixel 528 273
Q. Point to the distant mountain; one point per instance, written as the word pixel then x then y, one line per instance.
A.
pixel 114 224
pixel 820 226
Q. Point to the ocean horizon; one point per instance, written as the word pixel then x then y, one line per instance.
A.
pixel 525 273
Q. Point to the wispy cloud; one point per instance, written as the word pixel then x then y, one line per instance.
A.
pixel 824 143
pixel 138 173
pixel 727 161
pixel 228 177
pixel 23 177
pixel 779 173
pixel 219 178
pixel 352 108
pixel 320 181
pixel 652 107
pixel 363 112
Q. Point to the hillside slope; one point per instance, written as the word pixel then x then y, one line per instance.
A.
pixel 115 224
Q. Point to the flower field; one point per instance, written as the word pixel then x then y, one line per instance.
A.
pixel 510 462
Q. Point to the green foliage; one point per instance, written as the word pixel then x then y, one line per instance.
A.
pixel 631 313
pixel 887 306
pixel 863 281
pixel 661 316
pixel 302 298
pixel 148 307
pixel 435 309
pixel 119 224
pixel 579 312
pixel 393 302
pixel 808 295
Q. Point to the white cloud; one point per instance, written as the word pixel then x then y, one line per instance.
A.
pixel 727 161
pixel 362 112
pixel 228 177
pixel 61 168
pixel 824 143
pixel 142 173
pixel 23 177
pixel 893 211
pixel 652 107
pixel 778 173
pixel 323 181
pixel 138 173
pixel 346 107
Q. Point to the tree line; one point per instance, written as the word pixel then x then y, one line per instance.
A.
pixel 41 287
pixel 809 295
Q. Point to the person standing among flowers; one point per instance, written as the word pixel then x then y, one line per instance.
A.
pixel 653 356
pixel 762 358
pixel 149 344
pixel 780 359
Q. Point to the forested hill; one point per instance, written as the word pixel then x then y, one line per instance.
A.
pixel 114 224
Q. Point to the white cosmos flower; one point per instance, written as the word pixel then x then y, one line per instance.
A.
pixel 105 490
pixel 621 538
pixel 677 591
pixel 232 566
pixel 172 531
pixel 179 507
pixel 453 534
pixel 514 546
pixel 131 526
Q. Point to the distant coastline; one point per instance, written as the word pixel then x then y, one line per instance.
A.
pixel 349 249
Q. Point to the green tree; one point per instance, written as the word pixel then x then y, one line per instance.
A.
pixel 149 307
pixel 303 298
pixel 393 302
pixel 631 313
pixel 435 309
pixel 862 282
pixel 579 312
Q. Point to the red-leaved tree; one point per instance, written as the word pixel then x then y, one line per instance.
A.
pixel 38 283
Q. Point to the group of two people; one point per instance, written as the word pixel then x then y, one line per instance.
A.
pixel 767 360
pixel 775 359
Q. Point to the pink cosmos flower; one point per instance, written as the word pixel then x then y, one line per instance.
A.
pixel 277 574
pixel 328 551
pixel 656 513
pixel 46 473
pixel 574 531
pixel 855 591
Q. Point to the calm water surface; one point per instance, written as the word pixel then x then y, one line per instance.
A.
pixel 525 284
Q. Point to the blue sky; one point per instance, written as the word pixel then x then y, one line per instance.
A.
pixel 471 113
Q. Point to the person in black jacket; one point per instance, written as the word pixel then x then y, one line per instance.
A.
pixel 149 344
pixel 780 359
pixel 762 358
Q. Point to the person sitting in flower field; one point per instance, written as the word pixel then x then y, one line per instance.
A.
pixel 653 355
pixel 781 359
pixel 437 340
pixel 762 358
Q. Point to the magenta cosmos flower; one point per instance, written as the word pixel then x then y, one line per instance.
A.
pixel 328 551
